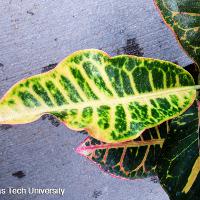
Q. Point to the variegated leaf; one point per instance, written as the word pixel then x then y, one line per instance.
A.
pixel 183 16
pixel 132 159
pixel 114 99
pixel 179 164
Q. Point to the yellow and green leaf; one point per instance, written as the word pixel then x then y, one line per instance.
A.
pixel 183 17
pixel 132 159
pixel 114 99
pixel 178 167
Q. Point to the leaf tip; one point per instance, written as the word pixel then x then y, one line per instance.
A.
pixel 81 150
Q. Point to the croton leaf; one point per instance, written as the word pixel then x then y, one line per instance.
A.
pixel 179 165
pixel 195 72
pixel 132 159
pixel 183 17
pixel 114 99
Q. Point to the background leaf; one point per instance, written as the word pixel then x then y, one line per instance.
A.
pixel 179 164
pixel 131 159
pixel 114 99
pixel 183 17
pixel 194 71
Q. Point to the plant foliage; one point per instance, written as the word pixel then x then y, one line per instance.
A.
pixel 132 159
pixel 178 165
pixel 122 102
pixel 183 17
pixel 114 99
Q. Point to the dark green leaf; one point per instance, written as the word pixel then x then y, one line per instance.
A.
pixel 131 159
pixel 179 165
pixel 183 17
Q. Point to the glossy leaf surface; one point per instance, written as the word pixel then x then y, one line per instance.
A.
pixel 179 164
pixel 132 159
pixel 114 99
pixel 183 16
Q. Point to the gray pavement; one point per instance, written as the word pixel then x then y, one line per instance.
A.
pixel 37 33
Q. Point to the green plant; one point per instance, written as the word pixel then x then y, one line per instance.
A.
pixel 142 113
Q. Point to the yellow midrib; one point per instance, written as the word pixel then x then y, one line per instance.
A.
pixel 122 145
pixel 96 103
pixel 120 100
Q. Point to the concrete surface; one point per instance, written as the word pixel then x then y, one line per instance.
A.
pixel 36 33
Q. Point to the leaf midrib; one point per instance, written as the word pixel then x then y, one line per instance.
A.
pixel 123 145
pixel 96 103
pixel 121 100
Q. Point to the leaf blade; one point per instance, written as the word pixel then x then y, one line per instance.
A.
pixel 112 98
pixel 128 160
pixel 183 18
pixel 178 167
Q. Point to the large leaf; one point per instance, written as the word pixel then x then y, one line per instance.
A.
pixel 183 17
pixel 114 99
pixel 132 159
pixel 179 164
